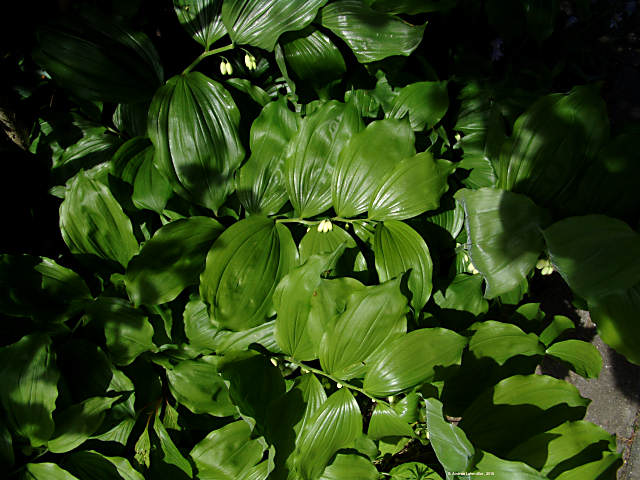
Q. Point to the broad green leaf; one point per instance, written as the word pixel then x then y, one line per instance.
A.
pixel 413 187
pixel 348 465
pixel 335 425
pixel 464 293
pixel 256 93
pixel 453 449
pixel 98 59
pixel 313 57
pixel 364 101
pixel 95 466
pixel 151 190
pixel 131 118
pixel 206 337
pixel 313 155
pixel 47 471
pixel 583 357
pixel 77 423
pixel 373 317
pixel 127 330
pixel 261 22
pixel 29 391
pixel 503 229
pixel 197 385
pixel 507 469
pixel 193 124
pixel 168 452
pixel 261 181
pixel 550 450
pixel 616 317
pixel 412 7
pixel 414 471
pixel 450 217
pixel 296 408
pixel 292 302
pixel 318 243
pixel 605 467
pixel 369 156
pixel 253 384
pixel 201 19
pixel 385 422
pixel 519 407
pixel 242 270
pixel 171 260
pixel 228 453
pixel 557 327
pixel 7 456
pixel 595 254
pixel 399 249
pixel 126 162
pixel 572 127
pixel 502 341
pixel 424 102
pixel 413 359
pixel 38 287
pixel 372 35
pixel 92 222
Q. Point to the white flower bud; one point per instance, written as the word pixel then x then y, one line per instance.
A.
pixel 223 67
pixel 321 226
pixel 229 69
pixel 274 362
pixel 339 385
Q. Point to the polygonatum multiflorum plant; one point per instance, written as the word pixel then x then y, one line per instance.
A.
pixel 300 254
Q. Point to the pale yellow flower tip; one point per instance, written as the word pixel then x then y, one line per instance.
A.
pixel 321 226
pixel 339 385
pixel 274 362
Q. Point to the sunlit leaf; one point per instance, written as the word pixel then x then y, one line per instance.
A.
pixel 502 341
pixel 424 102
pixel 201 19
pixel 584 358
pixel 385 422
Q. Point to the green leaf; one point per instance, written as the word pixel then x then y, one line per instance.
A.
pixel 453 449
pixel 78 422
pixel 319 243
pixel 507 469
pixel 503 228
pixel 412 7
pixel 413 187
pixel 201 19
pixel 228 453
pixel 557 450
pixel 95 466
pixel 399 249
pixel 151 190
pixel 261 22
pixel 242 270
pixel 313 155
pixel 197 385
pixel 99 59
pixel 502 341
pixel 366 103
pixel 464 293
pixel 370 34
pixel 171 260
pixel 7 457
pixel 413 359
pixel 131 118
pixel 605 467
pixel 595 254
pixel 572 127
pixel 414 471
pixel 616 317
pixel 335 425
pixel 40 288
pixel 369 156
pixel 92 222
pixel 348 465
pixel 424 102
pixel 296 408
pixel 519 407
pixel 373 317
pixel 313 57
pixel 261 181
pixel 557 327
pixel 385 422
pixel 205 337
pixel 292 302
pixel 583 357
pixel 193 124
pixel 127 330
pixel 47 471
pixel 168 452
pixel 29 391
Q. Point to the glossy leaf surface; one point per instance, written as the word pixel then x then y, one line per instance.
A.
pixel 201 19
pixel 385 422
pixel 583 357
pixel 502 341
pixel 425 103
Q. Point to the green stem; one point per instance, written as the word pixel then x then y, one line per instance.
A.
pixel 337 380
pixel 205 54
pixel 298 220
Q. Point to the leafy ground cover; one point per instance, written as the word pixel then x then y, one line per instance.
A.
pixel 294 239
